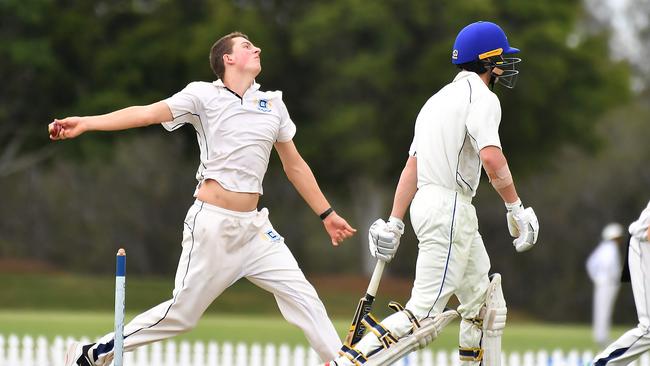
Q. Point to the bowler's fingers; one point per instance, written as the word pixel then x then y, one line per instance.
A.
pixel 54 130
pixel 57 129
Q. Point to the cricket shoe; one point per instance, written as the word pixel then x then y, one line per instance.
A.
pixel 77 355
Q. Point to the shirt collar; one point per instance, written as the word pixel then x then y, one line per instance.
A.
pixel 254 87
pixel 464 74
pixel 469 76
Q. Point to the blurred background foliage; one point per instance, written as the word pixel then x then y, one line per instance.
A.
pixel 354 75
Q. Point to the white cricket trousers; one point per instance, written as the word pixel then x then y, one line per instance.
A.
pixel 636 341
pixel 603 307
pixel 219 248
pixel 452 260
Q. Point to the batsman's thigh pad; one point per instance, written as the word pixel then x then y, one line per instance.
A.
pixel 474 285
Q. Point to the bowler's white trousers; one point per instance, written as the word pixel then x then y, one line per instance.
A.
pixel 219 248
pixel 452 260
pixel 636 341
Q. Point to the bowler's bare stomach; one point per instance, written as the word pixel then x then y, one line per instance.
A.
pixel 213 193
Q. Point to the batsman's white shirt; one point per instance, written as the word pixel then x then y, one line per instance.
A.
pixel 450 130
pixel 235 134
pixel 639 228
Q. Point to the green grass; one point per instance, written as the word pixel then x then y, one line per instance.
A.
pixel 519 336
pixel 76 305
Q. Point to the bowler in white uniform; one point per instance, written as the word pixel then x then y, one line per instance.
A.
pixel 225 237
pixel 604 270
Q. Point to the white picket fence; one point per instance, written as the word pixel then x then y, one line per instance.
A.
pixel 29 351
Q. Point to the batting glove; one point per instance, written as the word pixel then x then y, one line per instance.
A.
pixel 383 238
pixel 522 225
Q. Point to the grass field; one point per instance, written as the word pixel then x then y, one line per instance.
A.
pixel 75 305
pixel 519 336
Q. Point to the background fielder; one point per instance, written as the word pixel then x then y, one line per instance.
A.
pixel 225 237
pixel 604 269
pixel 636 341
pixel 456 133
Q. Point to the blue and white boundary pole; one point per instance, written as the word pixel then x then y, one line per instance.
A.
pixel 120 292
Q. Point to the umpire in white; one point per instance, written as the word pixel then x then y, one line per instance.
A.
pixel 604 270
pixel 456 134
pixel 636 341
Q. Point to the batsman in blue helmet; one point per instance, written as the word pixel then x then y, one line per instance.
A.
pixel 456 136
pixel 480 47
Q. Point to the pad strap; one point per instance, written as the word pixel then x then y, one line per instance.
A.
pixel 470 354
pixel 397 307
pixel 384 335
pixel 355 356
pixel 478 321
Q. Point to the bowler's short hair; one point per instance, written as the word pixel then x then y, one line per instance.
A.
pixel 219 48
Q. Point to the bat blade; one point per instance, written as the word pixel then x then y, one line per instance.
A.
pixel 357 329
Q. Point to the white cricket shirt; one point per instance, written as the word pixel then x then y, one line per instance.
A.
pixel 450 130
pixel 604 264
pixel 639 228
pixel 235 135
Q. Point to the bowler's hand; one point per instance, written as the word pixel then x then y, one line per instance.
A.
pixel 337 228
pixel 66 128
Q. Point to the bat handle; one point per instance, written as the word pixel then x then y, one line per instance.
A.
pixel 376 277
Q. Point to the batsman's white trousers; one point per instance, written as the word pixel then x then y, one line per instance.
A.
pixel 636 341
pixel 603 307
pixel 219 248
pixel 452 260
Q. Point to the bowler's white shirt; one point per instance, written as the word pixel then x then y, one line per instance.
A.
pixel 639 228
pixel 450 130
pixel 235 135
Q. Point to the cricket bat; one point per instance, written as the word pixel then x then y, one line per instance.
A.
pixel 357 329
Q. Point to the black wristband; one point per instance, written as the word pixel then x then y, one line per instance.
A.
pixel 326 213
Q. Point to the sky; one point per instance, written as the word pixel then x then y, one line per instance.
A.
pixel 628 20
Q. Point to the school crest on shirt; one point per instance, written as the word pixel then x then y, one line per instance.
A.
pixel 264 105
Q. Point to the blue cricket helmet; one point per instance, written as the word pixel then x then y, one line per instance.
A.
pixel 479 41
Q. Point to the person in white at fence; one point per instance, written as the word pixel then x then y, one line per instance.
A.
pixel 225 237
pixel 456 132
pixel 636 341
pixel 604 270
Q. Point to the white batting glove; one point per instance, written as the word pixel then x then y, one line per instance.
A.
pixel 383 238
pixel 522 225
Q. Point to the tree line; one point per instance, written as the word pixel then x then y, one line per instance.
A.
pixel 354 74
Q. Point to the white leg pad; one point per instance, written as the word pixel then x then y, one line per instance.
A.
pixel 429 330
pixel 494 321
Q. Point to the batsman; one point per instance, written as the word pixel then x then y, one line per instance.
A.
pixel 456 134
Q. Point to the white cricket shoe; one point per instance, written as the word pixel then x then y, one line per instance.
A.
pixel 75 356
